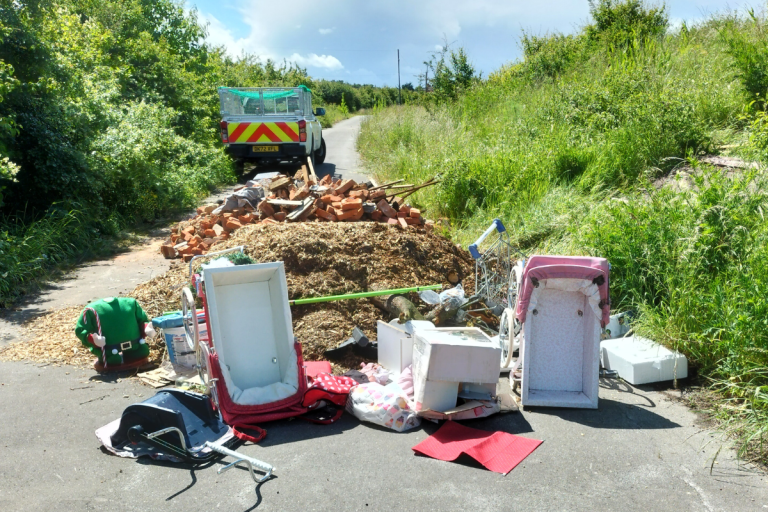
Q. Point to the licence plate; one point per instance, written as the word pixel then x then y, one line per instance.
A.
pixel 265 149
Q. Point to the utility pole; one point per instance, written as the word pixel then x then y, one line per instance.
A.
pixel 399 98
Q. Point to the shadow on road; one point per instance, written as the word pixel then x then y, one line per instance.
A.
pixel 612 414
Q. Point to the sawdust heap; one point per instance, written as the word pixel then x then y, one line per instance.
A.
pixel 320 260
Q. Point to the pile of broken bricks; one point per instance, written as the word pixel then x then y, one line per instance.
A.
pixel 288 199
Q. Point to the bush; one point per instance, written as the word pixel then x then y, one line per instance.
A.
pixel 747 44
pixel 619 23
pixel 147 169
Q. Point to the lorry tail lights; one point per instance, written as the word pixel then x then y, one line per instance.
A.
pixel 302 130
pixel 224 134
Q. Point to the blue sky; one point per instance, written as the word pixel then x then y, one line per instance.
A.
pixel 357 41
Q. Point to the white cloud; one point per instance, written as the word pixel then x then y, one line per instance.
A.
pixel 313 60
pixel 326 31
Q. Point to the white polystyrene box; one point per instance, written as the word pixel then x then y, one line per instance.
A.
pixel 395 347
pixel 639 360
pixel 444 358
pixel 561 351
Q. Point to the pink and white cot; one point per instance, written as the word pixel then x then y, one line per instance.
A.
pixel 563 304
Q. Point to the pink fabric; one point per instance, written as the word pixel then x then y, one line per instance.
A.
pixel 568 267
pixel 314 368
pixel 497 451
pixel 405 381
pixel 329 387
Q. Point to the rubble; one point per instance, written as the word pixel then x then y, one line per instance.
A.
pixel 295 200
pixel 320 259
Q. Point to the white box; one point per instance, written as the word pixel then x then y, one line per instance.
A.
pixel 642 361
pixel 445 358
pixel 395 347
pixel 395 342
pixel 561 351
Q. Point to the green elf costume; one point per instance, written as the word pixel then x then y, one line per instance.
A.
pixel 113 329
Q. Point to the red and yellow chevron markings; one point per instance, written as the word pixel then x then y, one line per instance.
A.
pixel 263 132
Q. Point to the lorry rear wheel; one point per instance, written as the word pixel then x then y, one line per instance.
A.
pixel 320 153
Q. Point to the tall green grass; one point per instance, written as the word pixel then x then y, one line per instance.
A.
pixel 571 147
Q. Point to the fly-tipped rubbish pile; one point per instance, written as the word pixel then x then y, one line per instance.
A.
pixel 285 199
pixel 320 260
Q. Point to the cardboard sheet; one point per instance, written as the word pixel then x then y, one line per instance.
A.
pixel 497 451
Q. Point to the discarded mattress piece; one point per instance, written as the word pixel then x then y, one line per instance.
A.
pixel 449 360
pixel 639 360
pixel 497 451
pixel 563 304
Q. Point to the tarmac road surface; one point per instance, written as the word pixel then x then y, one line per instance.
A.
pixel 642 449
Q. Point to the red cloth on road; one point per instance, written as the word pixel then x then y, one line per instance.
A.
pixel 497 451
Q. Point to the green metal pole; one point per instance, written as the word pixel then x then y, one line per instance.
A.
pixel 363 295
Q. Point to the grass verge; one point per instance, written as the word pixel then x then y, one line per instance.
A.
pixel 570 148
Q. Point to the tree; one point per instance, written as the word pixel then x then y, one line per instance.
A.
pixel 452 73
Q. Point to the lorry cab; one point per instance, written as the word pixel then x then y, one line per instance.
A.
pixel 271 124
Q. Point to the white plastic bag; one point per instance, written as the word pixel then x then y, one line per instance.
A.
pixel 382 405
pixel 453 298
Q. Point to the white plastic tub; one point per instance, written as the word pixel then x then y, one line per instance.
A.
pixel 251 331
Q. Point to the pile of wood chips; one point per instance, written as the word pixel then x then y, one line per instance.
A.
pixel 320 259
pixel 297 200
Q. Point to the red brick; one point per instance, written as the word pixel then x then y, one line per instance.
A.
pixel 266 209
pixel 392 221
pixel 195 240
pixel 206 224
pixel 168 251
pixel 324 214
pixel 344 186
pixel 209 233
pixel 376 215
pixel 197 251
pixel 405 208
pixel 415 213
pixel 280 216
pixel 402 222
pixel 351 214
pixel 174 238
pixel 351 204
pixel 245 219
pixel 232 225
pixel 386 209
pixel 326 180
pixel 226 216
pixel 361 194
pixel 187 257
pixel 200 209
pixel 209 208
pixel 377 194
pixel 412 222
pixel 189 229
pixel 402 214
pixel 218 229
pixel 301 194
